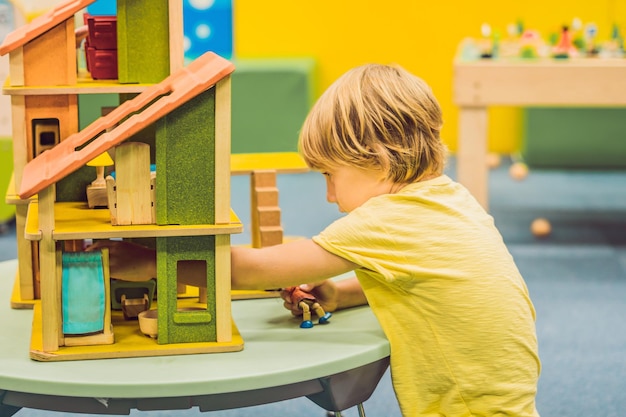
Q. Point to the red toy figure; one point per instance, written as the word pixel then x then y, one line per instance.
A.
pixel 306 302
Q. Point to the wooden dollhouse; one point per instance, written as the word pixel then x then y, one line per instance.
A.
pixel 174 129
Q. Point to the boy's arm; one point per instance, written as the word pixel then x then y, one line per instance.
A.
pixel 280 266
pixel 350 293
pixel 285 265
pixel 128 261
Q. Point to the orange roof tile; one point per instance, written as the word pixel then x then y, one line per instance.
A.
pixel 41 24
pixel 123 122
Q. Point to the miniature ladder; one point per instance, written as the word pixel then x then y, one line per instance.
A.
pixel 265 227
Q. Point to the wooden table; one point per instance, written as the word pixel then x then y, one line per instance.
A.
pixel 337 366
pixel 479 84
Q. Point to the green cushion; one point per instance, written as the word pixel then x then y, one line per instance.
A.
pixel 593 138
pixel 270 100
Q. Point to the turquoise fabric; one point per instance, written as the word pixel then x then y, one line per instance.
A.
pixel 83 292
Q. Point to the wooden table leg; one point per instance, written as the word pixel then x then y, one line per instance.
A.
pixel 472 170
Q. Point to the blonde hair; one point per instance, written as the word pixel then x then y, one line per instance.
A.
pixel 376 116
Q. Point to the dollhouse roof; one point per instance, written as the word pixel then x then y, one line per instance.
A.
pixel 41 24
pixel 123 122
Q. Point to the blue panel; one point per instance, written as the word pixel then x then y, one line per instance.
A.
pixel 103 8
pixel 208 26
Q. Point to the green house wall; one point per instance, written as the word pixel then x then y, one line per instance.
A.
pixel 142 41
pixel 185 158
pixel 184 326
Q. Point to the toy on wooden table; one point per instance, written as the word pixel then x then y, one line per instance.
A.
pixel 591 32
pixel 531 45
pixel 613 48
pixel 565 47
pixel 616 35
pixel 487 41
pixel 307 302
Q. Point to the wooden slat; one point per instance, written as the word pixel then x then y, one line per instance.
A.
pixel 20 139
pixel 222 288
pixel 222 150
pixel 25 253
pixel 176 32
pixel 132 184
pixel 74 220
pixel 50 288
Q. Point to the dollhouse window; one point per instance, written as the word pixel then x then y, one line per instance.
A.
pixel 198 266
pixel 45 135
pixel 185 313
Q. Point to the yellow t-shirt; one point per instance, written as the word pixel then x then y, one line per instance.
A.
pixel 449 298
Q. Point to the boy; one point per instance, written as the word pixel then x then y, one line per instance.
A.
pixel 428 259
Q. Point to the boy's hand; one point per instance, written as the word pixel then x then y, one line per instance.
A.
pixel 325 292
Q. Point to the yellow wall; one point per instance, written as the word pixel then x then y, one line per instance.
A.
pixel 422 36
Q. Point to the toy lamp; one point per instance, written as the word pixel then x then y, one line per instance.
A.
pixel 97 191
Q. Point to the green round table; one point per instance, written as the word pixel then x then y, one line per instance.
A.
pixel 337 365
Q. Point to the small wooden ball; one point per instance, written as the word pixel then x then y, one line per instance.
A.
pixel 518 171
pixel 493 160
pixel 541 227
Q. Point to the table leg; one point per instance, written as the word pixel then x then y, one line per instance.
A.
pixel 472 169
pixel 7 410
pixel 360 408
pixel 349 388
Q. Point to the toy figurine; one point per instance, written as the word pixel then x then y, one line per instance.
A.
pixel 565 47
pixel 306 302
